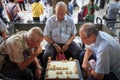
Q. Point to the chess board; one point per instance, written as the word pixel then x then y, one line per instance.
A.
pixel 63 70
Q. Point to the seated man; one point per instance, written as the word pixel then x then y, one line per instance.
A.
pixel 22 49
pixel 107 51
pixel 60 32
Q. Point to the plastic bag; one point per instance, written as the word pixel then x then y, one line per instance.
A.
pixel 60 56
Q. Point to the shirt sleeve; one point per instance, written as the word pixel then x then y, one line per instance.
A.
pixel 16 50
pixel 102 64
pixel 47 29
pixel 74 30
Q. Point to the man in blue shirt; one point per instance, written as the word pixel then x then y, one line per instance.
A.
pixel 60 32
pixel 107 51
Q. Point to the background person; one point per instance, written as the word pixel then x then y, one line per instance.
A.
pixel 37 10
pixel 91 7
pixel 107 53
pixel 22 50
pixel 12 11
pixel 60 32
pixel 22 5
pixel 111 15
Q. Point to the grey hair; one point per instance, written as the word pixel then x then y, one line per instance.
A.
pixel 88 29
pixel 61 4
pixel 35 33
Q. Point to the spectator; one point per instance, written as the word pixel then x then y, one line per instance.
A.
pixel 107 53
pixel 91 7
pixel 37 10
pixel 12 11
pixel 3 28
pixel 22 50
pixel 22 5
pixel 49 9
pixel 60 32
pixel 70 8
pixel 75 4
pixel 2 14
pixel 102 4
pixel 112 11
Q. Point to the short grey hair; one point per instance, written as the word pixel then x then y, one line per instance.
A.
pixel 88 29
pixel 61 4
pixel 35 33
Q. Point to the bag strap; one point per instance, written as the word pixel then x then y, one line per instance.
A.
pixel 12 13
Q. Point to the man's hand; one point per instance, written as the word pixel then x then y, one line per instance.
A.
pixel 37 51
pixel 65 47
pixel 86 66
pixel 38 73
pixel 57 47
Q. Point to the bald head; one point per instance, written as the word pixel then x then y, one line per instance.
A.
pixel 61 4
pixel 88 29
pixel 35 33
pixel 60 10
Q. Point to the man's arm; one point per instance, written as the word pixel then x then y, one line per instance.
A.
pixel 4 34
pixel 96 75
pixel 65 46
pixel 38 70
pixel 28 61
pixel 50 41
pixel 86 66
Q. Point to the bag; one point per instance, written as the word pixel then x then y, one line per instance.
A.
pixel 60 56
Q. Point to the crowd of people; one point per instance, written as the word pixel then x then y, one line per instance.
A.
pixel 20 51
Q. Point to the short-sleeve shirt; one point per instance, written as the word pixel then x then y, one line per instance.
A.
pixel 107 51
pixel 59 31
pixel 14 47
pixel 37 9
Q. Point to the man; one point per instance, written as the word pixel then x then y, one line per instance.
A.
pixel 23 49
pixel 107 51
pixel 111 15
pixel 60 32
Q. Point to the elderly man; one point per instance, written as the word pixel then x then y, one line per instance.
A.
pixel 22 49
pixel 60 32
pixel 107 51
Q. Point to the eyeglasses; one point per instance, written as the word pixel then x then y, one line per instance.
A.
pixel 85 37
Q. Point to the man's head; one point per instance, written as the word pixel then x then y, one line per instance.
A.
pixel 34 37
pixel 88 33
pixel 60 10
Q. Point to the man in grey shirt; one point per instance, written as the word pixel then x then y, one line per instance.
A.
pixel 112 11
pixel 107 51
pixel 60 32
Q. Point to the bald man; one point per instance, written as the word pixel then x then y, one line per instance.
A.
pixel 22 50
pixel 107 51
pixel 60 32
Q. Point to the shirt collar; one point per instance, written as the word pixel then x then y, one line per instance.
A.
pixel 65 18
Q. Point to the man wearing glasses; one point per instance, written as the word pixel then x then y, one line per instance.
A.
pixel 107 51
